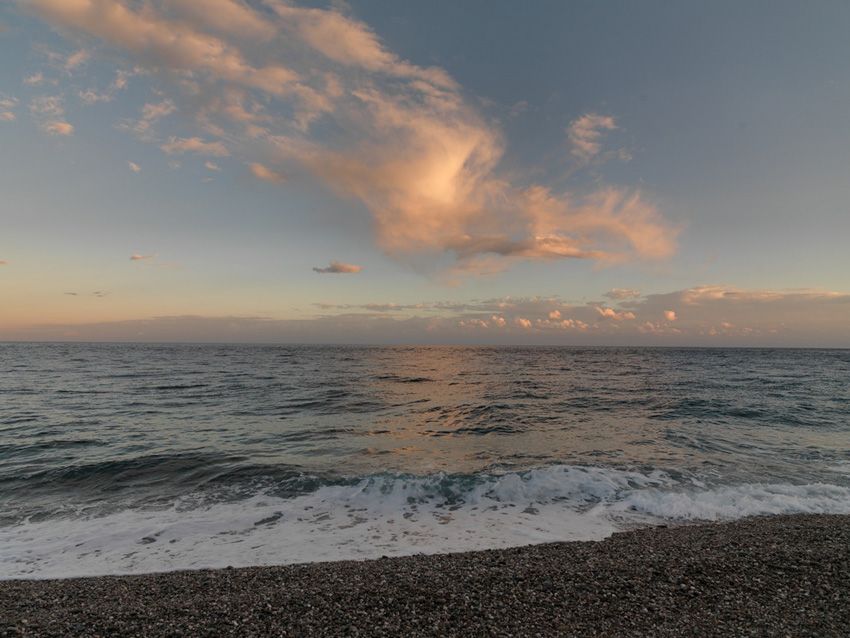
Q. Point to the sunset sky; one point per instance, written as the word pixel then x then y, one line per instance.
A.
pixel 434 172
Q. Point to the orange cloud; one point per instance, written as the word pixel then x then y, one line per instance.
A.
pixel 58 128
pixel 610 313
pixel 227 17
pixel 411 146
pixel 179 145
pixel 266 174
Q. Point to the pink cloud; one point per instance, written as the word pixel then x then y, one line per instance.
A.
pixel 177 146
pixel 260 171
pixel 58 128
pixel 138 257
pixel 585 134
pixel 616 315
pixel 412 147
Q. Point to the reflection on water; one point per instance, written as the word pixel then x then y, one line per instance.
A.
pixel 150 421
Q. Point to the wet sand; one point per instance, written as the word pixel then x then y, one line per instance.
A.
pixel 773 576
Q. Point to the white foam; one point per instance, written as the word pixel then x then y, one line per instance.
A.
pixel 388 515
pixel 732 502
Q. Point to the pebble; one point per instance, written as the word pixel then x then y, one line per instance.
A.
pixel 768 576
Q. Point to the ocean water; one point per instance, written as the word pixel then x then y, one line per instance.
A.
pixel 135 458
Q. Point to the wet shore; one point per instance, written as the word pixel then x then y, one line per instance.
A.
pixel 783 575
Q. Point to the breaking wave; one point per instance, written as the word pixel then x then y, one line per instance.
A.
pixel 389 515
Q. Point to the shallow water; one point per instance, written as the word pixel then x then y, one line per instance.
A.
pixel 130 458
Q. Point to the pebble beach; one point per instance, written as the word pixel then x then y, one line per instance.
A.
pixel 764 576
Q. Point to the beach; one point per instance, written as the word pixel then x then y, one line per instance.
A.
pixel 766 576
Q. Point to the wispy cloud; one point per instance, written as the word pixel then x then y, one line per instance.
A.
pixel 337 268
pixel 403 139
pixel 179 145
pixel 585 135
pixel 100 294
pixel 622 293
pixel 150 114
pixel 134 167
pixel 7 108
pixel 140 257
pixel 260 171
pixel 76 59
pixel 49 113
pixel 35 79
pixel 212 166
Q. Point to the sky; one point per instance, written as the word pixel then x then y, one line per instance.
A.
pixel 484 172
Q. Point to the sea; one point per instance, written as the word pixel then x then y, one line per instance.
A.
pixel 127 458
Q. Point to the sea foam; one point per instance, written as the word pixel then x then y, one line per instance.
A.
pixel 390 515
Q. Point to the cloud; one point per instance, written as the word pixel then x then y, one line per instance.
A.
pixel 77 59
pixel 610 313
pixel 622 293
pixel 405 141
pixel 47 105
pixel 585 134
pixel 226 17
pixel 212 166
pixel 58 128
pixel 100 294
pixel 266 174
pixel 139 257
pixel 35 79
pixel 49 112
pixel 91 96
pixel 7 106
pixel 744 317
pixel 337 267
pixel 150 114
pixel 3 262
pixel 155 111
pixel 134 167
pixel 670 315
pixel 177 146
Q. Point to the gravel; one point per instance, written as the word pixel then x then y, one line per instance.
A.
pixel 772 576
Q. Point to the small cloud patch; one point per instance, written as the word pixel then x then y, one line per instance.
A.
pixel 266 174
pixel 338 268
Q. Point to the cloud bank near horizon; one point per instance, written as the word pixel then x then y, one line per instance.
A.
pixel 313 93
pixel 703 315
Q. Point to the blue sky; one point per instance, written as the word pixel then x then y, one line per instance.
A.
pixel 479 166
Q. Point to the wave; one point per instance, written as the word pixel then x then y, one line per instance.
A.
pixel 390 514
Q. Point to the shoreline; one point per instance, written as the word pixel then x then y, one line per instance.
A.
pixel 782 575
